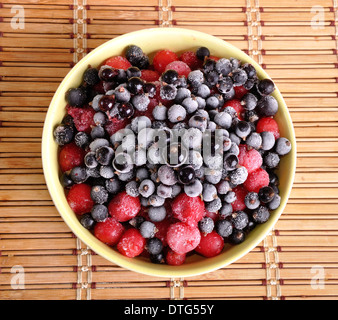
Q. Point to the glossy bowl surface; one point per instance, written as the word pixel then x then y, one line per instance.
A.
pixel 152 40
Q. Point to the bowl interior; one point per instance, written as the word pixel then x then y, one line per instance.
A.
pixel 151 40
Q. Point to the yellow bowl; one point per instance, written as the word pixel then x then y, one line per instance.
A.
pixel 151 40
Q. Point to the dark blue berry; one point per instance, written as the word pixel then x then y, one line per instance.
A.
pixel 76 97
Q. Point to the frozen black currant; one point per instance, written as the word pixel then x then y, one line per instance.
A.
pixel 99 194
pixel 237 236
pixel 239 220
pixel 224 228
pixel 76 97
pixel 206 225
pixel 249 101
pixel 125 110
pixel 230 161
pixel 265 87
pixel 250 70
pixel 168 92
pixel 223 66
pixel 261 214
pixel 104 155
pixel 202 53
pixel 193 189
pixel 271 160
pixel 266 194
pixel 186 174
pixel 154 246
pixel 90 160
pixel 146 188
pixel 267 106
pixel 99 212
pixel 157 214
pixel 239 77
pixel 87 221
pixel 133 72
pixel 148 229
pixel 275 202
pixel 169 76
pixel 91 76
pixel 283 146
pixel 135 85
pixel 66 180
pixel 63 134
pixel 242 129
pixel 254 140
pixel 78 174
pixel 251 200
pixel 106 103
pixel 268 140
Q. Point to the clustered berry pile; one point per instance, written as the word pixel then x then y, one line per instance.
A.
pixel 160 210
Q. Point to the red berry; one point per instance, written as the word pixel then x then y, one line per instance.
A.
pixel 162 228
pixel 83 117
pixel 268 124
pixel 181 67
pixel 188 209
pixel 162 59
pixel 256 180
pixel 123 207
pixel 236 104
pixel 239 203
pixel 118 62
pixel 213 215
pixel 210 245
pixel 115 124
pixel 131 243
pixel 250 159
pixel 214 58
pixel 70 156
pixel 79 198
pixel 109 231
pixel 149 75
pixel 190 58
pixel 240 91
pixel 175 259
pixel 149 112
pixel 182 238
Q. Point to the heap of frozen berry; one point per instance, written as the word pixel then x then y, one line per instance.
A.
pixel 159 202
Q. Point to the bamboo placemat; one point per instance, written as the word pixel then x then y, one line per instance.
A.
pixel 294 40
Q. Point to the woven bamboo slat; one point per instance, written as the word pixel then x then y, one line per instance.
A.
pixel 302 60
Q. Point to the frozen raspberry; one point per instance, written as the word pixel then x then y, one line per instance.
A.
pixel 190 58
pixel 115 124
pixel 268 124
pixel 118 62
pixel 188 209
pixel 162 228
pixel 124 207
pixel 181 67
pixel 109 231
pixel 131 243
pixel 162 59
pixel 71 156
pixel 149 75
pixel 250 159
pixel 239 203
pixel 175 259
pixel 83 118
pixel 236 104
pixel 79 198
pixel 240 92
pixel 182 238
pixel 256 180
pixel 211 245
